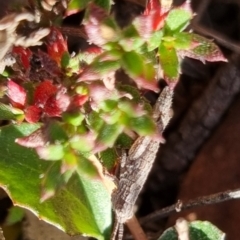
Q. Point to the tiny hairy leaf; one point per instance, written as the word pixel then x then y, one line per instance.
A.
pixel 178 19
pixel 169 62
pixel 198 230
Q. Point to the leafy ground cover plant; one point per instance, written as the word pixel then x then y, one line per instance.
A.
pixel 65 117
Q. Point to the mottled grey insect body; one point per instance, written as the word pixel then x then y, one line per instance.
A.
pixel 135 167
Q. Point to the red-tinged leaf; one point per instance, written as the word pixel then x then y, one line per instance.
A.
pixel 144 83
pixel 56 45
pixel 32 114
pixel 48 64
pixel 169 62
pixel 84 142
pixel 205 50
pixel 130 39
pixel 24 54
pixel 16 94
pixel 95 17
pixel 87 56
pixel 143 74
pixel 43 92
pixel 79 100
pixel 63 101
pixel 51 152
pixel 51 108
pixel 159 20
pixel 166 5
pixel 144 25
pixel 99 93
pixel 152 5
pixel 187 7
pixel 93 50
pixel 98 70
pixel 157 14
pixel 35 139
pixel 94 34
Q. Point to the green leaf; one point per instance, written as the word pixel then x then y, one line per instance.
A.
pixel 56 132
pixel 124 141
pixel 65 60
pixel 73 118
pixel 169 62
pixel 109 30
pixel 183 40
pixel 51 152
pixel 140 69
pixel 15 214
pixel 83 206
pixel 198 230
pixel 77 5
pixel 101 68
pixel 136 97
pixel 105 4
pixel 130 39
pixel 82 143
pixel 149 72
pixel 108 105
pixel 178 19
pixel 109 158
pixel 86 167
pixel 6 112
pixel 205 50
pixel 109 133
pixel 155 40
pixel 132 63
pixel 95 121
pixel 51 181
pixel 143 125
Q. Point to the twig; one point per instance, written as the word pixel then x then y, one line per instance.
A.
pixel 198 202
pixel 74 31
pixel 1 235
pixel 136 229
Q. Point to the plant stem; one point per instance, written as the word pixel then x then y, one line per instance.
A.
pixel 135 229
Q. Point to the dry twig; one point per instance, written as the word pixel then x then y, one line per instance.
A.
pixel 198 202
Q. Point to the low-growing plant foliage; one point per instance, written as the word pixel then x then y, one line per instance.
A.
pixel 65 116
